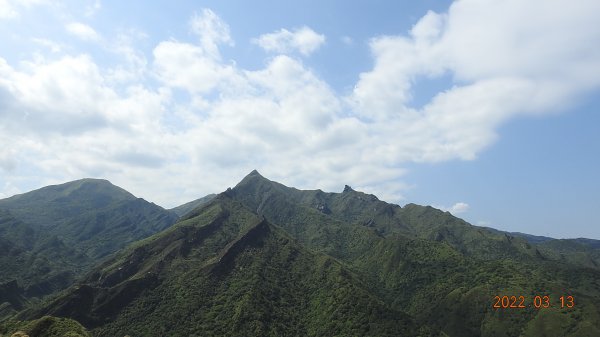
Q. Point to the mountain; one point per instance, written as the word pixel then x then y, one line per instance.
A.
pixel 226 271
pixel 264 259
pixel 188 206
pixel 92 215
pixel 52 235
pixel 50 205
pixel 440 269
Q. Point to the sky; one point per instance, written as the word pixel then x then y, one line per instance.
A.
pixel 487 109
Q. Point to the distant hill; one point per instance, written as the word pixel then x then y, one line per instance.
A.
pixel 264 259
pixel 50 205
pixel 89 214
pixel 52 235
pixel 188 206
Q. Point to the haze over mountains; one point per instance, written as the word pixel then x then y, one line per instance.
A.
pixel 264 259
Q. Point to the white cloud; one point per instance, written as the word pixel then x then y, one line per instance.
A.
pixel 8 190
pixel 456 209
pixel 7 10
pixel 8 155
pixel 188 66
pixel 211 30
pixel 134 65
pixel 82 31
pixel 54 47
pixel 347 40
pixel 69 117
pixel 66 95
pixel 304 40
pixel 504 60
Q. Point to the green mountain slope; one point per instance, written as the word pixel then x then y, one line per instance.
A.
pixel 40 262
pixel 50 205
pixel 226 272
pixel 91 215
pixel 264 259
pixel 51 236
pixel 188 206
pixel 46 326
pixel 438 268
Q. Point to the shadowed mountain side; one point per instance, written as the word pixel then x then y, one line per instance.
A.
pixel 50 236
pixel 104 231
pixel 228 272
pixel 39 261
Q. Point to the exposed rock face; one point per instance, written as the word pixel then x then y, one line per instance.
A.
pixel 323 208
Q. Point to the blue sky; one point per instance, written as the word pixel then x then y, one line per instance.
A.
pixel 487 109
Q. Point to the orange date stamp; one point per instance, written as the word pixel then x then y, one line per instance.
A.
pixel 537 302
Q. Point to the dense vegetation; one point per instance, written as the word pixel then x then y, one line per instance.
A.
pixel 46 326
pixel 50 236
pixel 226 271
pixel 263 259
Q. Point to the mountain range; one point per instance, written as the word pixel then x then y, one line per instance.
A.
pixel 264 259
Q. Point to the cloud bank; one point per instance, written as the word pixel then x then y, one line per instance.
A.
pixel 180 122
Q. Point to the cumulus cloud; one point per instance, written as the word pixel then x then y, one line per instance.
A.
pixel 82 31
pixel 188 66
pixel 504 62
pixel 68 95
pixel 67 117
pixel 211 30
pixel 456 209
pixel 304 40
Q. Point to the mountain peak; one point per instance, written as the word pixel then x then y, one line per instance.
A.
pixel 347 189
pixel 64 200
pixel 253 177
pixel 254 173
